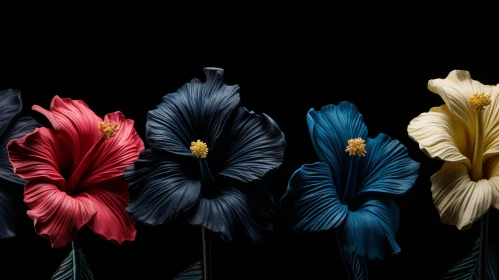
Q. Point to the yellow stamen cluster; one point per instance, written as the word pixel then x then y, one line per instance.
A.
pixel 356 147
pixel 479 100
pixel 108 130
pixel 199 149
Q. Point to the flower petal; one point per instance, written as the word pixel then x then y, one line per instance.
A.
pixel 38 155
pixel 196 111
pixel 256 147
pixel 11 104
pixel 160 189
pixel 491 171
pixel 111 222
pixel 232 207
pixel 107 159
pixel 311 199
pixel 8 214
pixel 371 229
pixel 330 129
pixel 491 122
pixel 76 123
pixel 19 128
pixel 57 216
pixel 459 200
pixel 442 135
pixel 387 167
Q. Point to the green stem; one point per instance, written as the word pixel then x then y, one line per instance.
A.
pixel 476 167
pixel 76 260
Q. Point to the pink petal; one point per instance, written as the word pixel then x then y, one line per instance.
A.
pixel 39 155
pixel 57 216
pixel 76 123
pixel 112 222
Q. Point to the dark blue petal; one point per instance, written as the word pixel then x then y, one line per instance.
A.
pixel 7 211
pixel 371 229
pixel 387 167
pixel 311 199
pixel 17 130
pixel 160 189
pixel 232 208
pixel 256 147
pixel 11 105
pixel 196 111
pixel 330 129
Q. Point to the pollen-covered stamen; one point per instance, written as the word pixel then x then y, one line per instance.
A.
pixel 199 149
pixel 108 130
pixel 479 101
pixel 356 147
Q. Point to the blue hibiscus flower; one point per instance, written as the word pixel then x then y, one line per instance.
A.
pixel 350 188
pixel 207 160
pixel 11 127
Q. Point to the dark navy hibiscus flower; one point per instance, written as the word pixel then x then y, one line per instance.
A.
pixel 207 160
pixel 11 127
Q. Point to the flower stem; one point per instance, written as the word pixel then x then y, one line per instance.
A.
pixel 206 254
pixel 76 260
pixel 343 257
pixel 476 166
pixel 206 176
pixel 351 182
pixel 484 236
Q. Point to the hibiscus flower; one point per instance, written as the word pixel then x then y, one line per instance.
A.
pixel 74 172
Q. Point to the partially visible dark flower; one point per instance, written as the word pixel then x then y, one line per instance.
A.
pixel 208 159
pixel 11 127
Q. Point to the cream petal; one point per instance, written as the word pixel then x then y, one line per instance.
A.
pixel 491 122
pixel 459 200
pixel 491 171
pixel 441 135
pixel 455 90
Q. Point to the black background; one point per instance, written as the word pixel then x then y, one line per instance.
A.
pixel 388 87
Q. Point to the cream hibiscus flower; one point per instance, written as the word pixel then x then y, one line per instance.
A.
pixel 465 134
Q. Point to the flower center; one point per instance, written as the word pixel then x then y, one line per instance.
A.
pixel 199 149
pixel 479 101
pixel 108 130
pixel 356 147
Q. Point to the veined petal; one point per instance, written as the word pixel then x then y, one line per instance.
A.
pixel 111 222
pixel 256 147
pixel 442 135
pixel 330 129
pixel 371 229
pixel 491 122
pixel 491 171
pixel 160 188
pixel 19 128
pixel 57 216
pixel 8 214
pixel 387 167
pixel 196 111
pixel 311 199
pixel 107 159
pixel 11 104
pixel 38 155
pixel 231 208
pixel 459 200
pixel 75 123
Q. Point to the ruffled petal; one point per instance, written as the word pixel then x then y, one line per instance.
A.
pixel 256 147
pixel 311 200
pixel 20 128
pixel 371 229
pixel 57 216
pixel 491 171
pixel 459 200
pixel 38 155
pixel 111 222
pixel 75 123
pixel 11 104
pixel 8 214
pixel 442 135
pixel 160 188
pixel 232 208
pixel 491 123
pixel 107 159
pixel 330 129
pixel 387 167
pixel 196 111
